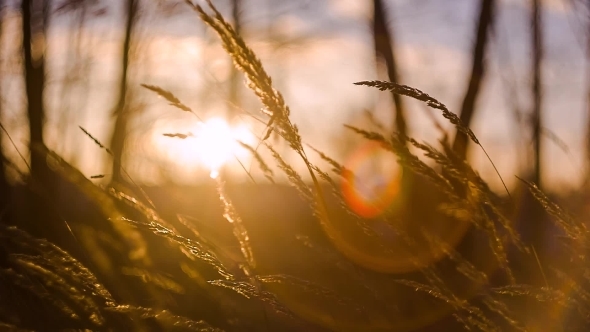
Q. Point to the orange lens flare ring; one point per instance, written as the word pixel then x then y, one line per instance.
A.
pixel 369 187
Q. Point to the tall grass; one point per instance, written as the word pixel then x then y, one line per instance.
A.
pixel 471 274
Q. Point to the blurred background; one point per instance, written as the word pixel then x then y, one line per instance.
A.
pixel 485 58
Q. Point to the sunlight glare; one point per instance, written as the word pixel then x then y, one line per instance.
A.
pixel 216 143
pixel 212 144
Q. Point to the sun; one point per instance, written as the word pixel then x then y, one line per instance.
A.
pixel 212 144
pixel 216 143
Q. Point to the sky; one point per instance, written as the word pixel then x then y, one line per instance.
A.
pixel 326 46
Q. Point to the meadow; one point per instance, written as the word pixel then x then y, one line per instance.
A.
pixel 436 250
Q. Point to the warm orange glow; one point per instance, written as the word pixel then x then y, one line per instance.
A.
pixel 374 182
pixel 217 143
pixel 213 144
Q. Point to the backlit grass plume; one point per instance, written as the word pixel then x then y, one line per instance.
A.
pixel 432 102
pixel 257 78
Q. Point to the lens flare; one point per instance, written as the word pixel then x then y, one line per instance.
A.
pixel 372 181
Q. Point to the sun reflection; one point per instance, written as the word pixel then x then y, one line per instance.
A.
pixel 211 144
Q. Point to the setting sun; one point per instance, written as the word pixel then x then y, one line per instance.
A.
pixel 210 144
pixel 217 143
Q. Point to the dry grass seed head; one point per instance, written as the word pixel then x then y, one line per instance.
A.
pixel 239 230
pixel 266 170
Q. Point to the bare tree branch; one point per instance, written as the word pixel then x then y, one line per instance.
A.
pixel 384 48
pixel 478 72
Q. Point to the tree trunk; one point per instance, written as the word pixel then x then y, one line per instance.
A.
pixel 384 46
pixel 38 216
pixel 536 89
pixel 587 175
pixel 122 107
pixel 34 70
pixel 532 217
pixel 4 185
pixel 478 71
